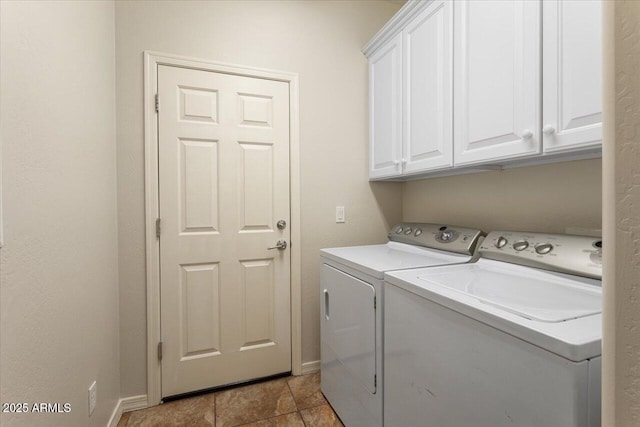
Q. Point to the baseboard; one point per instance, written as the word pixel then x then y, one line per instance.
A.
pixel 133 403
pixel 310 367
pixel 127 404
pixel 116 415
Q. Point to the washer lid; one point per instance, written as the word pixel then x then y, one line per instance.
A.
pixel 571 324
pixel 544 299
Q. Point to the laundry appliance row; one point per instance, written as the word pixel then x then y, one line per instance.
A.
pixel 442 326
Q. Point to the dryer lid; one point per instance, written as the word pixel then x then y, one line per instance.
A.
pixel 375 260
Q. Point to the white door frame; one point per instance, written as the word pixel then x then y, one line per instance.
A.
pixel 151 62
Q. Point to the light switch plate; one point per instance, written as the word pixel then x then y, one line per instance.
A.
pixel 93 397
pixel 339 214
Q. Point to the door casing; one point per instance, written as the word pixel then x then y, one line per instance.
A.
pixel 151 62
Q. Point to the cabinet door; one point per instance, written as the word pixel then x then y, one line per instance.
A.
pixel 496 80
pixel 427 136
pixel 385 110
pixel 572 75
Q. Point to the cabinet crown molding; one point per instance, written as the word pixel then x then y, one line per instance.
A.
pixel 395 24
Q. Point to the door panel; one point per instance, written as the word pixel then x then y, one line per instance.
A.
pixel 496 80
pixel 199 185
pixel 258 321
pixel 224 182
pixel 572 75
pixel 200 310
pixel 428 141
pixel 385 110
pixel 255 187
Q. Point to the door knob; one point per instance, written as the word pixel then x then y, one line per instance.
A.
pixel 282 224
pixel 548 130
pixel 526 134
pixel 281 245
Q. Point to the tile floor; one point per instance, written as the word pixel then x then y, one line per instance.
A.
pixel 290 401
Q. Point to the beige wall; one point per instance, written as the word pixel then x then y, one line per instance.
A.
pixel 59 267
pixel 546 198
pixel 621 178
pixel 319 40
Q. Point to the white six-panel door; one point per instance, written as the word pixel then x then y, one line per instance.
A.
pixel 572 75
pixel 223 186
pixel 496 80
pixel 428 63
pixel 385 110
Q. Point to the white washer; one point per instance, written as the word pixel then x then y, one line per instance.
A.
pixel 511 340
pixel 351 282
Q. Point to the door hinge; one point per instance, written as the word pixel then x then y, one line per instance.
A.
pixel 375 380
pixel 375 303
pixel 160 350
pixel 157 103
pixel 158 228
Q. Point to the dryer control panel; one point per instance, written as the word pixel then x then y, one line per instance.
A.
pixel 448 238
pixel 565 253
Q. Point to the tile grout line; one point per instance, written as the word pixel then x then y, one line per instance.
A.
pixel 275 416
pixel 296 403
pixel 292 396
pixel 215 409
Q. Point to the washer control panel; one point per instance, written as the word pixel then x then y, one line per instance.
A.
pixel 437 236
pixel 580 255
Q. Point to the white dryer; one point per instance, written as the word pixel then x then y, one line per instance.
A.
pixel 511 340
pixel 351 282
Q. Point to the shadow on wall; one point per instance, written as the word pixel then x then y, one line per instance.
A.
pixel 555 198
pixel 388 197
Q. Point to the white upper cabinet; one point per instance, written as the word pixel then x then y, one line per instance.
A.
pixel 467 85
pixel 410 94
pixel 428 63
pixel 385 110
pixel 572 75
pixel 496 80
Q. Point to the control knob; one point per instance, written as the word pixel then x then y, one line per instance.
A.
pixel 596 257
pixel 520 245
pixel 445 236
pixel 408 231
pixel 399 230
pixel 543 248
pixel 501 242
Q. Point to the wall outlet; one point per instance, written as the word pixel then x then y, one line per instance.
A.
pixel 339 213
pixel 93 397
